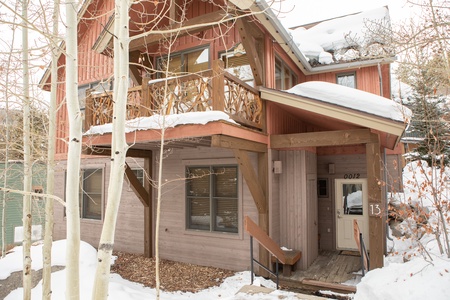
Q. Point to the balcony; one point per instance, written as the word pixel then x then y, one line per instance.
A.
pixel 209 90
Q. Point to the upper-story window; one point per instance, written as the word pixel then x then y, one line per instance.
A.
pixel 285 78
pixel 236 63
pixel 347 79
pixel 186 62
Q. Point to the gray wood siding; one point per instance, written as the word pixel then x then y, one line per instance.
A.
pixel 274 199
pixel 343 164
pixel 130 221
pixel 225 250
pixel 298 204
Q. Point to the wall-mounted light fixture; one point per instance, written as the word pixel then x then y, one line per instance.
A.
pixel 277 167
pixel 331 169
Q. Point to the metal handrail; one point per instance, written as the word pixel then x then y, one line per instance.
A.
pixel 253 260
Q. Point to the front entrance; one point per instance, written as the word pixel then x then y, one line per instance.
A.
pixel 351 203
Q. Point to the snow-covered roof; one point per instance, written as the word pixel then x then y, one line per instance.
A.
pixel 360 36
pixel 353 99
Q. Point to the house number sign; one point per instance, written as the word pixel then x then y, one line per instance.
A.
pixel 374 210
pixel 352 176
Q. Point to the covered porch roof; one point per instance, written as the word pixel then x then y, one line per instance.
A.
pixel 332 107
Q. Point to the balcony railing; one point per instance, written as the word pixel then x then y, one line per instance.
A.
pixel 209 90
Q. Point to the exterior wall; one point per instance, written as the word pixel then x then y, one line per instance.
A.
pixel 14 202
pixel 298 204
pixel 225 250
pixel 130 222
pixel 343 164
pixel 274 199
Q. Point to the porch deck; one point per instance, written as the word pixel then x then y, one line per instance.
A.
pixel 329 268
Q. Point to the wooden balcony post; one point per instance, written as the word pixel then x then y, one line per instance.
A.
pixel 218 86
pixel 88 110
pixel 144 108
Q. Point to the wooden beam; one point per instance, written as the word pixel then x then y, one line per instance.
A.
pixel 321 138
pixel 337 287
pixel 377 229
pixel 265 240
pixel 136 186
pixel 148 210
pixel 263 217
pixel 105 151
pixel 251 49
pixel 135 69
pixel 228 142
pixel 251 179
pixel 197 24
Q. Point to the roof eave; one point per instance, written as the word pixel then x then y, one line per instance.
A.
pixel 338 112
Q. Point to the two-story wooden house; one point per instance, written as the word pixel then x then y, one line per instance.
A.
pixel 302 163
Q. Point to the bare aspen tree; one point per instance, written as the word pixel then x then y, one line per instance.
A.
pixel 118 149
pixel 7 133
pixel 27 167
pixel 74 155
pixel 51 140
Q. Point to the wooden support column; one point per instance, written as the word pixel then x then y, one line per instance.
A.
pixel 148 210
pixel 257 184
pixel 263 217
pixel 218 86
pixel 377 207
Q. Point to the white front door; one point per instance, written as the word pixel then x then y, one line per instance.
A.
pixel 351 203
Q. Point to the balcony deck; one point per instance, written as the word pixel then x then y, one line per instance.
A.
pixel 209 90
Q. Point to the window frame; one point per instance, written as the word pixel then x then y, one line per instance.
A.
pixel 345 74
pixel 293 78
pixel 212 201
pixel 182 54
pixel 81 188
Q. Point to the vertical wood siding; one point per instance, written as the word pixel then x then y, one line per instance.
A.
pixel 298 204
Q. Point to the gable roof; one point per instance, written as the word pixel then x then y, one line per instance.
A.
pixel 347 105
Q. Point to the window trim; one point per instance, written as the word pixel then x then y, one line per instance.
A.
pixel 212 233
pixel 82 169
pixel 292 75
pixel 352 73
pixel 159 71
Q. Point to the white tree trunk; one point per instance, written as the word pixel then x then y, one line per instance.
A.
pixel 27 174
pixel 48 233
pixel 119 148
pixel 74 155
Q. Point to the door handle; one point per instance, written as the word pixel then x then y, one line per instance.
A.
pixel 339 214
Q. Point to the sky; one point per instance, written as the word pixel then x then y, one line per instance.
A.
pixel 298 12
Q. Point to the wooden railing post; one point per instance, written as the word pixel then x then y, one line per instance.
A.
pixel 88 110
pixel 218 86
pixel 145 104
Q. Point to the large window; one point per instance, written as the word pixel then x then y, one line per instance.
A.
pixel 212 198
pixel 91 193
pixel 186 62
pixel 346 79
pixel 285 78
pixel 236 63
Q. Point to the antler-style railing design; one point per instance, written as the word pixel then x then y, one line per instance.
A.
pixel 208 90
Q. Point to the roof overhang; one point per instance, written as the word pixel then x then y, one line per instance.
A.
pixel 390 129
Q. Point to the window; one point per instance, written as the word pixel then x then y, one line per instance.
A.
pixel 285 78
pixel 212 198
pixel 236 63
pixel 347 79
pixel 139 173
pixel 322 188
pixel 91 193
pixel 191 61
